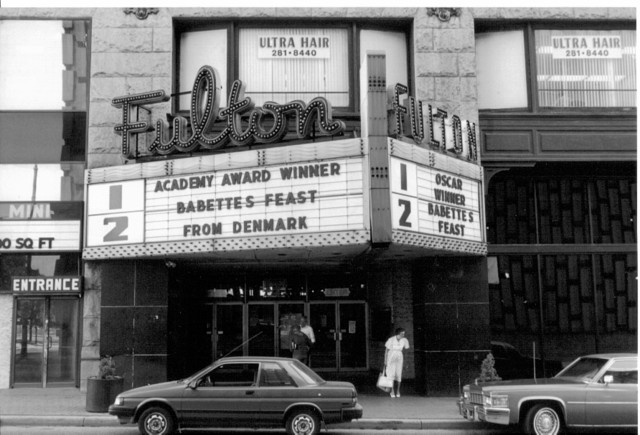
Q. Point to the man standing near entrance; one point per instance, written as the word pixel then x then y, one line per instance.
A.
pixel 307 330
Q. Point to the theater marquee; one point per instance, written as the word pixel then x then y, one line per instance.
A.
pixel 436 200
pixel 234 207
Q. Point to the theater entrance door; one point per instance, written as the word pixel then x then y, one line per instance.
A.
pixel 341 335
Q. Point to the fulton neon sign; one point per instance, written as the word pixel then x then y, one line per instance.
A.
pixel 266 124
pixel 450 134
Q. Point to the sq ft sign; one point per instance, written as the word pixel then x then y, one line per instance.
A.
pixel 115 213
pixel 433 201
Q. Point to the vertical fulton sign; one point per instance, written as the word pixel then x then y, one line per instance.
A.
pixel 443 131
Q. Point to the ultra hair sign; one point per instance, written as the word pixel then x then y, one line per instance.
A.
pixel 284 199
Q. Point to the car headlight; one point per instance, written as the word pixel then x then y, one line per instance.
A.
pixel 119 401
pixel 496 401
pixel 465 395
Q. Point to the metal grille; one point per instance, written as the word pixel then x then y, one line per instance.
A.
pixel 476 398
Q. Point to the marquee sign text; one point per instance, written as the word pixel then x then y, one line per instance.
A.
pixel 244 124
pixel 446 134
pixel 322 196
pixel 435 202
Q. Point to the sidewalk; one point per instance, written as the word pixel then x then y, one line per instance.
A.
pixel 66 407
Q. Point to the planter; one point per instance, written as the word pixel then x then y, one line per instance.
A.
pixel 102 392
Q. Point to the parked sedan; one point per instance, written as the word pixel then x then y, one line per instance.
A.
pixel 241 392
pixel 594 391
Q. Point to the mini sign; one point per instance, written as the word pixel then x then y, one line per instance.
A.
pixel 46 284
pixel 40 226
pixel 586 47
pixel 294 47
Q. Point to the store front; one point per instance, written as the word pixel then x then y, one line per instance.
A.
pixel 252 313
pixel 233 248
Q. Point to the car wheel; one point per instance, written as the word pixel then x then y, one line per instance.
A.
pixel 156 421
pixel 543 420
pixel 303 422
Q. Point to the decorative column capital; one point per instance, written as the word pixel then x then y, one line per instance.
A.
pixel 141 13
pixel 444 14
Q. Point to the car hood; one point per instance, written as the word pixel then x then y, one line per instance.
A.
pixel 165 388
pixel 531 383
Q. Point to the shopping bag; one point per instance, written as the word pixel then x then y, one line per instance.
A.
pixel 384 383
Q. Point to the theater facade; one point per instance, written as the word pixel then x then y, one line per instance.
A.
pixel 367 170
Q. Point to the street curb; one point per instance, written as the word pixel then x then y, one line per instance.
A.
pixel 55 420
pixel 111 421
pixel 407 423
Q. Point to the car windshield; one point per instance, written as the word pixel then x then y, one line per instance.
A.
pixel 307 375
pixel 584 368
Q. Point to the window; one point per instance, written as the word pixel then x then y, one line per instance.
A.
pixel 563 204
pixel 231 375
pixel 534 67
pixel 501 69
pixel 623 372
pixel 43 102
pixel 286 63
pixel 582 68
pixel 275 376
pixel 44 65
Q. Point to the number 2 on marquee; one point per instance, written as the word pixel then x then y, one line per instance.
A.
pixel 115 235
pixel 404 218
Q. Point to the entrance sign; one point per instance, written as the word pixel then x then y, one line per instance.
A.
pixel 244 123
pixel 23 285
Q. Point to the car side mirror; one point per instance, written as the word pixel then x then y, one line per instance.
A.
pixel 608 379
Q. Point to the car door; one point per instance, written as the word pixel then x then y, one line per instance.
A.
pixel 223 396
pixel 277 391
pixel 614 403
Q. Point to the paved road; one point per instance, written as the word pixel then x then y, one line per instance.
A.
pixel 132 430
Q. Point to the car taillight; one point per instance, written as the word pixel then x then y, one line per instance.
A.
pixel 354 397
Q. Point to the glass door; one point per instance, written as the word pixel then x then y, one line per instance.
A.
pixel 227 335
pixel 322 318
pixel 341 335
pixel 289 314
pixel 353 335
pixel 28 363
pixel 262 339
pixel 46 343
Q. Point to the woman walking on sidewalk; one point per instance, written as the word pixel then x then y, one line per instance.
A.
pixel 394 359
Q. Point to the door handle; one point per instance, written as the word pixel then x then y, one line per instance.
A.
pixel 249 392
